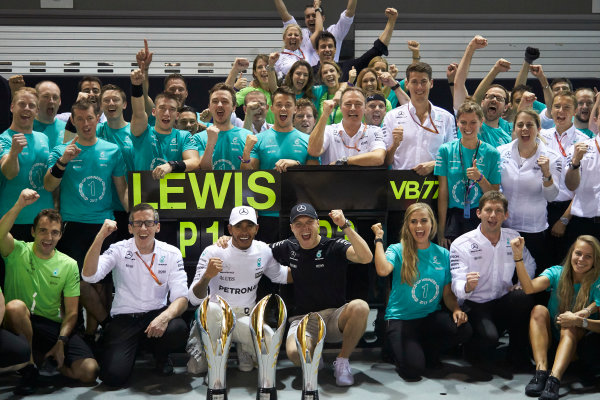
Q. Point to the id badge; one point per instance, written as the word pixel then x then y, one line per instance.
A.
pixel 467 212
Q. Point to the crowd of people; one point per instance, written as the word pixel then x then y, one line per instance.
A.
pixel 512 246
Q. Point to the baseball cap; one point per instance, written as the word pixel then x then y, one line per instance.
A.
pixel 241 213
pixel 303 209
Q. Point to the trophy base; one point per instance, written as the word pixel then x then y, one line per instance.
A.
pixel 310 395
pixel 216 394
pixel 266 394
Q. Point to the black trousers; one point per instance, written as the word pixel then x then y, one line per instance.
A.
pixel 14 349
pixel 124 334
pixel 556 247
pixel 417 342
pixel 489 320
pixel 583 226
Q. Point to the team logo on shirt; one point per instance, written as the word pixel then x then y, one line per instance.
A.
pixel 55 272
pixel 129 255
pixel 162 259
pixel 475 248
pixel 92 189
pixel 259 260
pixel 425 291
pixel 318 257
pixel 36 176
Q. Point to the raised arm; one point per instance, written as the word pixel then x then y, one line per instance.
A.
pixel 54 175
pixel 387 80
pixel 573 176
pixel 139 118
pixel 382 266
pixel 460 79
pixel 531 54
pixel 144 59
pixel 359 252
pixel 282 10
pixel 397 137
pixel 10 162
pixel 238 67
pixel 318 23
pixel 386 35
pixel 316 138
pixel 415 49
pixel 7 243
pixel 90 263
pixel 529 285
pixel 249 163
pixel 206 162
pixel 273 57
pixel 594 114
pixel 500 66
pixel 538 72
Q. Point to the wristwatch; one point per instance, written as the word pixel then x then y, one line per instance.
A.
pixel 564 220
pixel 319 10
pixel 269 68
pixel 584 323
pixel 342 161
pixel 548 179
pixel 64 339
pixel 346 225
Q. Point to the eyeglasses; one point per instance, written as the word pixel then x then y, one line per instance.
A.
pixel 492 97
pixel 138 224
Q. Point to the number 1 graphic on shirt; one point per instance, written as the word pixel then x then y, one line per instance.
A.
pixel 92 186
pixel 425 290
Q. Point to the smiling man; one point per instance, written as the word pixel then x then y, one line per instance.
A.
pixel 161 148
pixel 23 156
pixel 46 121
pixel 349 142
pixel 375 109
pixel 144 271
pixel 305 117
pixel 233 272
pixel 318 266
pixel 42 294
pixel 482 266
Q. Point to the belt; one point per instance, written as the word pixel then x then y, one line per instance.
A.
pixel 133 315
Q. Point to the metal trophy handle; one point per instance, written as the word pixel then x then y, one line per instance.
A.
pixel 215 322
pixel 305 339
pixel 267 342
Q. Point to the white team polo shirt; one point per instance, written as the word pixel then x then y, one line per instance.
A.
pixel 337 143
pixel 136 291
pixel 566 140
pixel 418 144
pixel 585 202
pixel 287 58
pixel 523 186
pixel 473 252
pixel 238 280
pixel 339 31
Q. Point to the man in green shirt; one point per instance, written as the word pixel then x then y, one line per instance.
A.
pixel 38 277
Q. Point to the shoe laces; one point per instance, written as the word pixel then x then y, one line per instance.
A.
pixel 342 366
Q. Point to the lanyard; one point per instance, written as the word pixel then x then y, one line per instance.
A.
pixel 560 146
pixel 434 130
pixel 149 267
pixel 358 140
pixel 295 55
pixel 468 185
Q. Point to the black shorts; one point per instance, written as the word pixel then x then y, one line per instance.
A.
pixel 45 335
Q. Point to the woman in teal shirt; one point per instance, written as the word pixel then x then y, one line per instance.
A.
pixel 416 323
pixel 575 295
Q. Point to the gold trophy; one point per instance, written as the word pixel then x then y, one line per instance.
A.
pixel 310 359
pixel 216 328
pixel 267 342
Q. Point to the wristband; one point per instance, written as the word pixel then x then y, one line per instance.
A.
pixel 62 164
pixel 244 161
pixel 137 90
pixel 573 166
pixel 177 166
pixel 396 86
pixel 378 240
pixel 57 172
pixel 450 83
pixel 64 339
pixel 519 260
pixel 350 84
pixel 480 178
pixel 416 58
pixel 531 54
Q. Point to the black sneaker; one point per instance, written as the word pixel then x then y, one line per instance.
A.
pixel 551 390
pixel 164 368
pixel 536 385
pixel 27 383
pixel 49 367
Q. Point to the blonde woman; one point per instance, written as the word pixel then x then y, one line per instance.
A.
pixel 575 295
pixel 416 323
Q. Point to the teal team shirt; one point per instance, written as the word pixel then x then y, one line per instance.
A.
pixel 32 169
pixel 87 185
pixel 273 146
pixel 425 295
pixel 448 164
pixel 153 149
pixel 122 138
pixel 553 274
pixel 493 136
pixel 54 131
pixel 588 132
pixel 229 147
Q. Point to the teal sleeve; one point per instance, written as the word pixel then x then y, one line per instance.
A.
pixel 441 162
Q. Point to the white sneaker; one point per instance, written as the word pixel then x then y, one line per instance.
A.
pixel 197 367
pixel 342 372
pixel 245 362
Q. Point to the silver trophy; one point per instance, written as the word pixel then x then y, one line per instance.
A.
pixel 310 330
pixel 216 328
pixel 267 342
